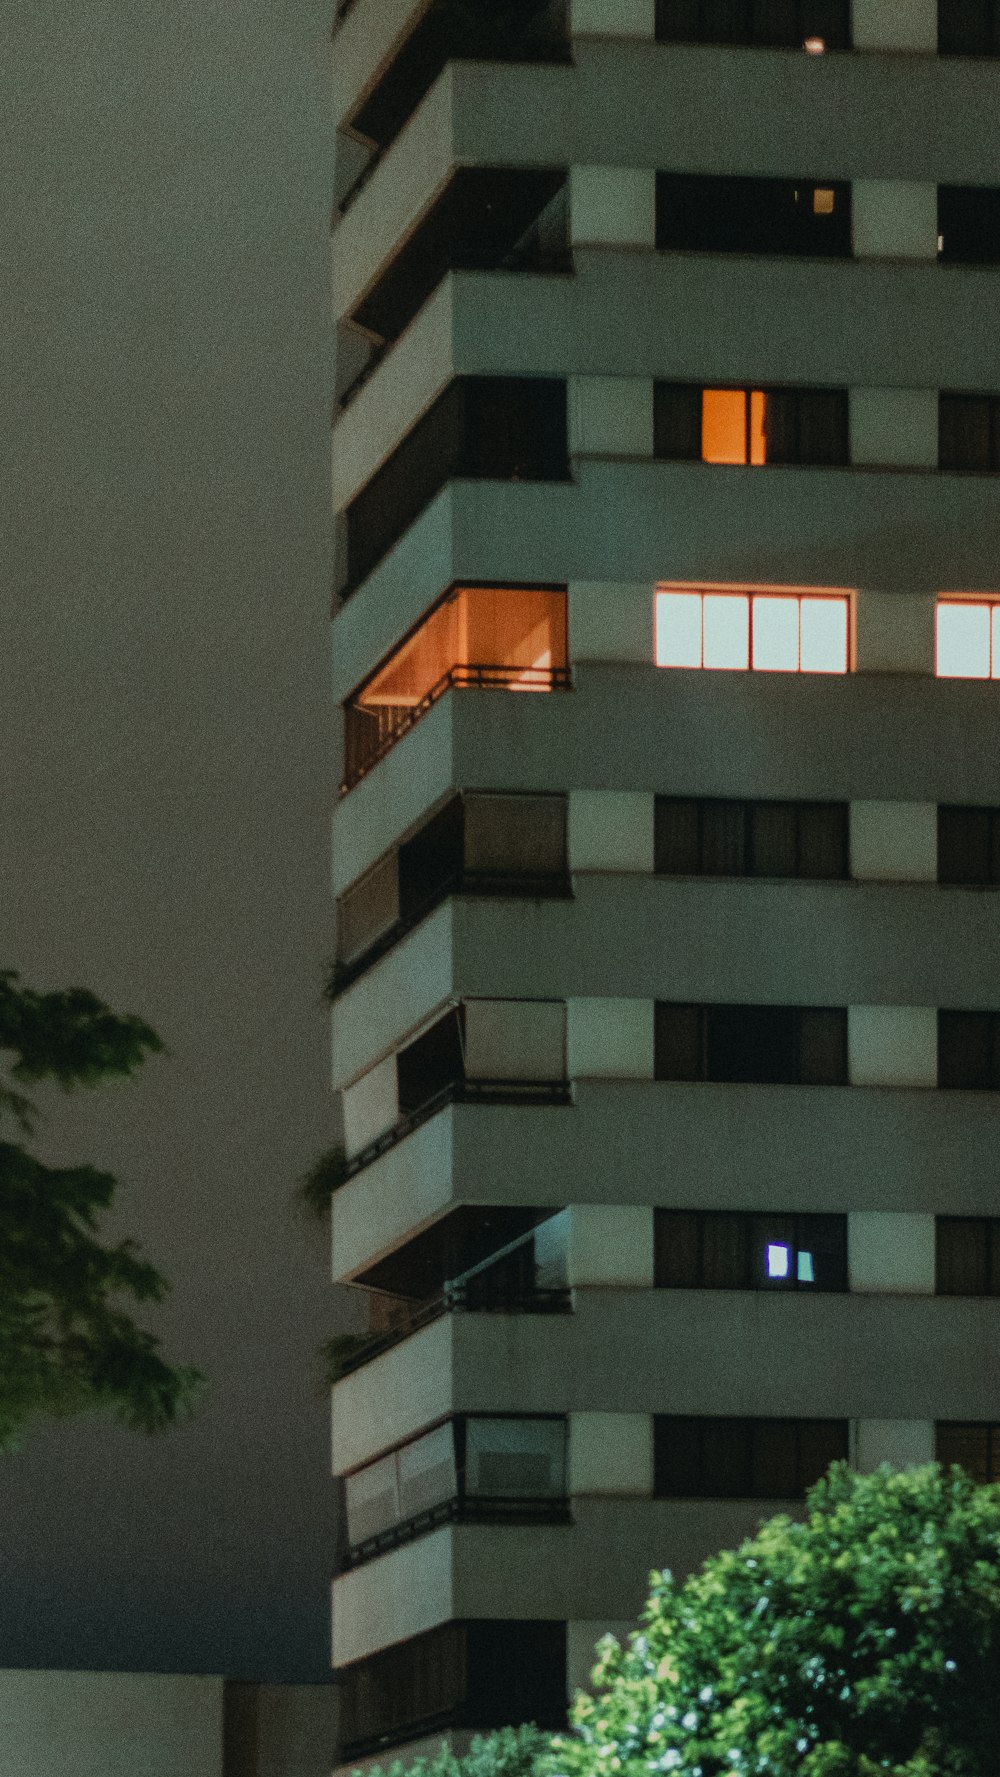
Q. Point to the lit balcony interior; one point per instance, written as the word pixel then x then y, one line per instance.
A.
pixel 740 631
pixel 485 219
pixel 732 426
pixel 499 638
pixel 968 639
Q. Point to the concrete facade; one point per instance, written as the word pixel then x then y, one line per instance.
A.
pixel 556 1165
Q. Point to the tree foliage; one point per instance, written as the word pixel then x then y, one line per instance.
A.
pixel 67 1344
pixel 511 1752
pixel 861 1641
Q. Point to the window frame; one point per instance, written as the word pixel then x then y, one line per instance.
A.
pixel 801 595
pixel 984 602
pixel 750 1226
pixel 744 811
pixel 753 1432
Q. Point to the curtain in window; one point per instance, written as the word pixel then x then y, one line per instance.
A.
pixel 774 1459
pixel 678 1042
pixel 515 1458
pixel 515 1039
pixel 372 1500
pixel 821 1441
pixel 726 1260
pixel 676 842
pixel 677 1472
pixel 774 838
pixel 965 428
pixel 415 1681
pixel 723 838
pixel 427 1472
pixel 822 1046
pixel 806 426
pixel 966 1050
pixel 515 835
pixel 967 1445
pixel 822 840
pixel 962 1264
pixel 367 910
pixel 677 421
pixel 676 1249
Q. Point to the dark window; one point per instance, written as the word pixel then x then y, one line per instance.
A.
pixel 779 24
pixel 968 845
pixel 969 432
pixel 485 30
pixel 969 224
pixel 490 428
pixel 968 27
pixel 774 1045
pixel 968 1255
pixel 711 837
pixel 704 213
pixel 969 1050
pixel 743 1458
pixel 745 425
pixel 477 1674
pixel 972 1445
pixel 740 1250
pixel 431 1064
pixel 486 219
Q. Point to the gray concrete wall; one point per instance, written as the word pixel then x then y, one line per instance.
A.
pixel 168 765
pixel 110 1724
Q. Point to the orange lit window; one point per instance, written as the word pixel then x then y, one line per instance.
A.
pixel 512 638
pixel 968 639
pixel 732 426
pixel 752 631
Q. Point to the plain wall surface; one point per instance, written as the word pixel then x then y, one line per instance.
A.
pixel 110 1724
pixel 166 737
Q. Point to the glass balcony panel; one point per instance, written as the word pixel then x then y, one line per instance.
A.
pixel 515 1458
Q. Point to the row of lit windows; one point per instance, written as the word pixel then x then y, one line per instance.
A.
pixel 809 633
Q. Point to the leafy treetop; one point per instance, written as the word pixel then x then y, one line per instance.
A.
pixel 862 1641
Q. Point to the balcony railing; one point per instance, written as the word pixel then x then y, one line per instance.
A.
pixel 518 1092
pixel 486 1288
pixel 461 1509
pixel 533 886
pixel 371 733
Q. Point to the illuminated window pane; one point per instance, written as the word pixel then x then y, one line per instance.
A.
pixel 678 629
pixel 804 1268
pixel 723 426
pixel 777 1261
pixel 823 635
pixel 758 439
pixel 963 641
pixel 995 641
pixel 776 634
pixel 726 622
pixel 823 198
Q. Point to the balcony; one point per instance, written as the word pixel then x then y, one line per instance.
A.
pixel 474 1469
pixel 453 30
pixel 477 844
pixel 485 219
pixel 480 428
pixel 509 1280
pixel 484 638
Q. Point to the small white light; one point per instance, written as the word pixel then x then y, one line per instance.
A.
pixel 940 243
pixel 814 46
pixel 804 1268
pixel 777 1261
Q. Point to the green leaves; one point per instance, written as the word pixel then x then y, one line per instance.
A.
pixel 67 1345
pixel 864 1640
pixel 512 1752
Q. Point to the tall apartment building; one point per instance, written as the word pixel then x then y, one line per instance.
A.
pixel 667 993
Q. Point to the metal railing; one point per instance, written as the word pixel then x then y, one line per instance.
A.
pixel 460 1509
pixel 523 1092
pixel 529 885
pixel 371 734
